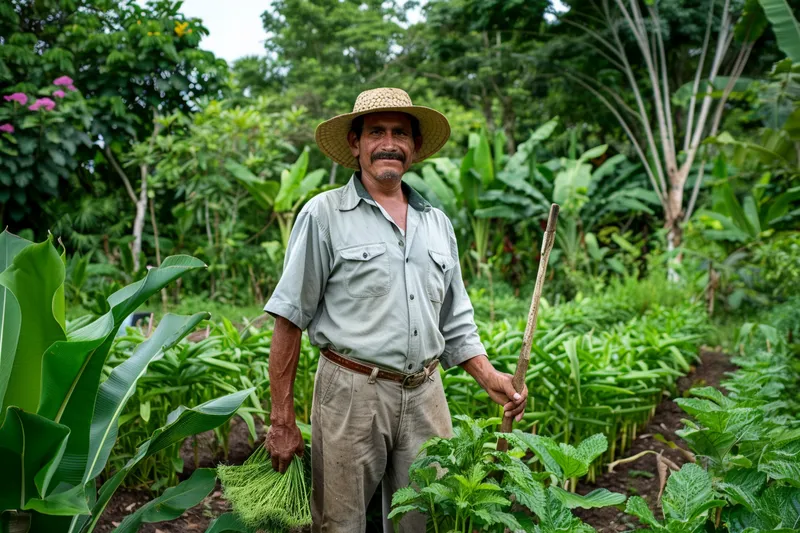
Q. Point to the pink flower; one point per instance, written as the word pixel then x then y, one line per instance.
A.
pixel 63 80
pixel 59 93
pixel 17 97
pixel 71 88
pixel 46 103
pixel 8 128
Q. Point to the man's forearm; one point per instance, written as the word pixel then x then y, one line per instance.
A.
pixel 284 354
pixel 479 368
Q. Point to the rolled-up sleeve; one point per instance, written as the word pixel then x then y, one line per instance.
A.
pixel 457 318
pixel 305 272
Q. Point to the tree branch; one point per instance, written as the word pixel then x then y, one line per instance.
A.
pixel 629 133
pixel 698 74
pixel 125 180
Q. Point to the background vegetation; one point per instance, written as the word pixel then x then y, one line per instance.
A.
pixel 669 133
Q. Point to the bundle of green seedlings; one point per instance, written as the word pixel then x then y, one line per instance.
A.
pixel 265 499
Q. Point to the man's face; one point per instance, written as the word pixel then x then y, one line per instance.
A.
pixel 387 147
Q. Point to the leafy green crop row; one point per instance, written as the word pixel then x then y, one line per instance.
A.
pixel 462 484
pixel 747 443
pixel 600 364
pixel 607 380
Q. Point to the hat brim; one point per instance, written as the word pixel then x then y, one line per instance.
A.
pixel 331 135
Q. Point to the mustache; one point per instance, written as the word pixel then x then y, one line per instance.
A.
pixel 397 156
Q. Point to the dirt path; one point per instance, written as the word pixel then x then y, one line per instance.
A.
pixel 640 478
pixel 637 478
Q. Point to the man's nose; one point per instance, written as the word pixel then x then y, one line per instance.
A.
pixel 389 143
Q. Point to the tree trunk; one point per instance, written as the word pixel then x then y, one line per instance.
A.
pixel 674 220
pixel 486 107
pixel 153 223
pixel 332 175
pixel 509 124
pixel 138 221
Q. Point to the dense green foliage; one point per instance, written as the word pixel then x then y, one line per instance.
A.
pixel 51 388
pixel 455 482
pixel 746 441
pixel 668 132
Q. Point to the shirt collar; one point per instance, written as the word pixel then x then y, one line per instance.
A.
pixel 355 191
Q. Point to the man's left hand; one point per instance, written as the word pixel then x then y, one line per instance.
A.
pixel 498 385
pixel 501 391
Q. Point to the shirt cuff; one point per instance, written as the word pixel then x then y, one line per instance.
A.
pixel 464 353
pixel 289 312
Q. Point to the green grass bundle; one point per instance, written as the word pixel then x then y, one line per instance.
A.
pixel 266 499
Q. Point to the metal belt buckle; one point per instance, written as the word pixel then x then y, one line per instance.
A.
pixel 412 381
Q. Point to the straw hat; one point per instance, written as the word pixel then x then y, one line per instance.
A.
pixel 331 135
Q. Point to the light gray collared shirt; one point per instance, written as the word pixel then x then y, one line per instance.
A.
pixel 368 290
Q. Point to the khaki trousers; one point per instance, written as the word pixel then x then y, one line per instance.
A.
pixel 364 433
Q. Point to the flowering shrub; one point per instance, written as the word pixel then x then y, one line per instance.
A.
pixel 40 135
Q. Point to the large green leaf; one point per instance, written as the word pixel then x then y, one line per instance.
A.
pixel 782 462
pixel 10 312
pixel 311 181
pixel 290 181
pixel 227 522
pixel 687 494
pixel 638 508
pixel 173 503
pixel 779 205
pixel 34 277
pixel 181 423
pixel 470 181
pixel 785 27
pixel 417 183
pixel 543 132
pixel 737 212
pixel 596 498
pixel 72 368
pixel 30 449
pixel 70 501
pixel 742 486
pixel 483 165
pixel 121 383
pixel 442 191
pixel 262 191
pixel 553 515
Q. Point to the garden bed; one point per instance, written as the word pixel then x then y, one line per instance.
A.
pixel 636 478
pixel 640 477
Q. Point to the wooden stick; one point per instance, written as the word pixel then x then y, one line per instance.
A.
pixel 530 327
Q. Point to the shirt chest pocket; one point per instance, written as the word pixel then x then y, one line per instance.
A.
pixel 439 267
pixel 366 270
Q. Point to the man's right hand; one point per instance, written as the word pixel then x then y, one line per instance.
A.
pixel 284 441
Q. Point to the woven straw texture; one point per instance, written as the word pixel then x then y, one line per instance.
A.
pixel 331 135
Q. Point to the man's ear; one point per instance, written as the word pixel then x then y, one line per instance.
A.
pixel 353 141
pixel 417 143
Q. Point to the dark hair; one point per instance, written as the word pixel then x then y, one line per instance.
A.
pixel 357 126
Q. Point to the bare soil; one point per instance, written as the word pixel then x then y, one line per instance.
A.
pixel 636 478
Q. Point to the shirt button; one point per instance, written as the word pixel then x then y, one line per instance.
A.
pixel 406 259
pixel 400 243
pixel 365 255
pixel 415 333
pixel 411 297
pixel 410 367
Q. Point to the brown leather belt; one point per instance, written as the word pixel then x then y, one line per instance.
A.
pixel 409 381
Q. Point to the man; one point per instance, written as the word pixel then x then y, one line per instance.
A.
pixel 372 270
